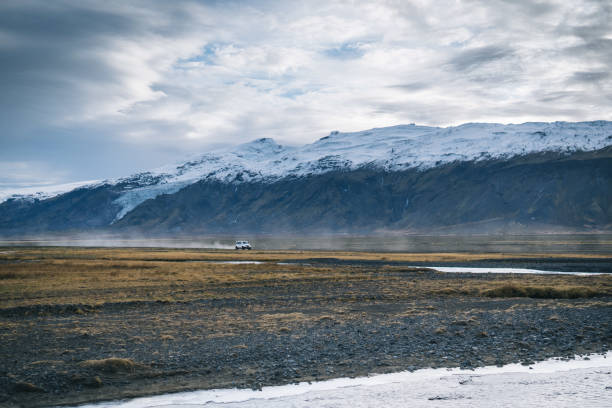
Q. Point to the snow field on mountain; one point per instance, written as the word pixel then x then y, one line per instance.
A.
pixel 391 149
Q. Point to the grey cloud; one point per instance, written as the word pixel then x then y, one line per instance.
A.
pixel 411 12
pixel 54 56
pixel 598 50
pixel 412 86
pixel 551 111
pixel 57 63
pixel 596 45
pixel 62 60
pixel 590 76
pixel 532 7
pixel 593 29
pixel 48 23
pixel 590 32
pixel 476 57
pixel 556 96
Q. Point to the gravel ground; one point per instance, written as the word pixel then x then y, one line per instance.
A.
pixel 271 335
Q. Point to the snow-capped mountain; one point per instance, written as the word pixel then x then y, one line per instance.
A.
pixel 391 149
pixel 42 192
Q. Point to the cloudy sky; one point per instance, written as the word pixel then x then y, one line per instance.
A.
pixel 97 89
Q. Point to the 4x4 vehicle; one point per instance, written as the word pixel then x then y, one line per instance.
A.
pixel 243 245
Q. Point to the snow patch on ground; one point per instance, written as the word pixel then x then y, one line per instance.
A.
pixel 584 382
pixel 469 269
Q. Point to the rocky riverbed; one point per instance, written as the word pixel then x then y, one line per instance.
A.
pixel 253 333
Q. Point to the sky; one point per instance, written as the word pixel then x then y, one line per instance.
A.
pixel 102 89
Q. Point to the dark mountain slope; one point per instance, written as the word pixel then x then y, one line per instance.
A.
pixel 80 209
pixel 542 189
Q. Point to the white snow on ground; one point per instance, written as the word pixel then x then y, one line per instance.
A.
pixel 390 148
pixel 552 383
pixel 42 192
pixel 469 269
pixel 446 269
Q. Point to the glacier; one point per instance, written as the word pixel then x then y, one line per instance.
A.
pixel 392 148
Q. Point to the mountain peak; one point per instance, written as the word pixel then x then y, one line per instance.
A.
pixel 262 145
pixel 392 148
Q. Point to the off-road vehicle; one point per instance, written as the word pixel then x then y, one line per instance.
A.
pixel 243 245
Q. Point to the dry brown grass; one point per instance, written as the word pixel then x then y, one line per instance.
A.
pixel 110 254
pixel 546 292
pixel 112 365
pixel 23 386
pixel 77 276
pixel 8 275
pixel 440 330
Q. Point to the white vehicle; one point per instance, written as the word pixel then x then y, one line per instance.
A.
pixel 243 245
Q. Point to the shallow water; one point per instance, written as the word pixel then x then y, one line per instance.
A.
pixel 580 382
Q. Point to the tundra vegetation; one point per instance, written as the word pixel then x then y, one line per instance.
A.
pixel 82 324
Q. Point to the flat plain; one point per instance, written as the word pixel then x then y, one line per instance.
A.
pixel 89 324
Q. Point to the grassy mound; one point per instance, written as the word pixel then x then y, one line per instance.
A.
pixel 111 365
pixel 542 292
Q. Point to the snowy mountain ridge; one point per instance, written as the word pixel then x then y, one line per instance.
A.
pixel 392 149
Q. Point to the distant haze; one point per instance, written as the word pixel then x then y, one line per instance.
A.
pixel 546 243
pixel 102 89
